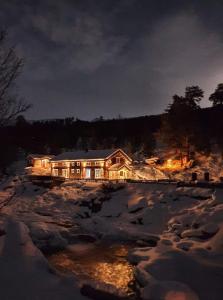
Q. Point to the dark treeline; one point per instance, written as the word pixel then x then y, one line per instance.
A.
pixel 133 134
pixel 55 136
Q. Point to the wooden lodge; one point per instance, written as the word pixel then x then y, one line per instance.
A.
pixel 90 165
pixel 39 164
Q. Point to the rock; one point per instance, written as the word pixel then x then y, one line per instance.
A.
pixel 185 245
pixel 204 232
pixel 210 228
pixel 89 238
pixel 56 243
pixel 39 233
pixel 142 203
pixel 166 242
pixel 191 233
pixel 141 243
pixel 102 291
pixel 151 240
pixel 176 239
pixel 143 278
pixel 195 192
pixel 46 240
pixel 138 254
pixel 176 227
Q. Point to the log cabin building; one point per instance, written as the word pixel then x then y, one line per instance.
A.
pixel 92 164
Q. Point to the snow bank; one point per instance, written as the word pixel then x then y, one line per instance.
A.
pixel 25 273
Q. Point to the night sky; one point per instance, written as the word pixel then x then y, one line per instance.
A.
pixel 86 58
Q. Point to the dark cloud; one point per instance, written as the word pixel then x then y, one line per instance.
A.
pixel 88 58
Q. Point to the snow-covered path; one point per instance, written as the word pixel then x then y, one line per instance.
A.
pixel 25 273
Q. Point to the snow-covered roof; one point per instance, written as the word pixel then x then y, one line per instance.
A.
pixel 80 154
pixel 40 156
pixel 117 167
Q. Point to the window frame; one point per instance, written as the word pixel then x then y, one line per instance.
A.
pixel 118 159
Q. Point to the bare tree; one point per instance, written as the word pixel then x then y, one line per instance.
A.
pixel 11 105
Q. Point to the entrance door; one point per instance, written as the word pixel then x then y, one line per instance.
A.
pixel 88 173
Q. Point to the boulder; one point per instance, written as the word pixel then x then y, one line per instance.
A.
pixel 142 277
pixel 185 246
pixel 210 229
pixel 140 204
pixel 138 254
pixel 101 291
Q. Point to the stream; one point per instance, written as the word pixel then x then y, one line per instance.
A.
pixel 103 263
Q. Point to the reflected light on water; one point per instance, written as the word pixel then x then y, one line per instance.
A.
pixel 117 274
pixel 106 264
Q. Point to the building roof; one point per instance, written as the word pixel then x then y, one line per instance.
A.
pixel 40 156
pixel 117 167
pixel 80 154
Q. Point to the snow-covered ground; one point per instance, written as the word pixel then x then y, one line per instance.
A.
pixel 178 231
pixel 202 163
pixel 24 271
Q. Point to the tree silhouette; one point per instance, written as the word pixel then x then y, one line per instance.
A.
pixel 217 97
pixel 179 124
pixel 11 105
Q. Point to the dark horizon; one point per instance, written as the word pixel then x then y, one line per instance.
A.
pixel 104 58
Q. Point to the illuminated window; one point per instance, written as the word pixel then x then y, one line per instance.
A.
pixel 98 173
pixel 78 163
pixel 55 172
pixel 97 163
pixel 88 163
pixel 72 171
pixel 121 173
pixel 78 171
pixel 44 162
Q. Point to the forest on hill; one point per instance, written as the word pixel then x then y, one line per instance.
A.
pixel 133 134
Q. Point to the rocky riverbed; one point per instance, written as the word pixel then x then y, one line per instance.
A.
pixel 176 234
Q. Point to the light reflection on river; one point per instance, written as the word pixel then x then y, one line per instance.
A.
pixel 103 263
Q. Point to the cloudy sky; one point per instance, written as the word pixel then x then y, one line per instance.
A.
pixel 86 58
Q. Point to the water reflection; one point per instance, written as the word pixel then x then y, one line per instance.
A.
pixel 104 263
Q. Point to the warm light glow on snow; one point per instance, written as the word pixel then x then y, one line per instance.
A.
pixel 173 295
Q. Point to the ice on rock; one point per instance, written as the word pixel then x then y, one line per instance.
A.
pixel 138 254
